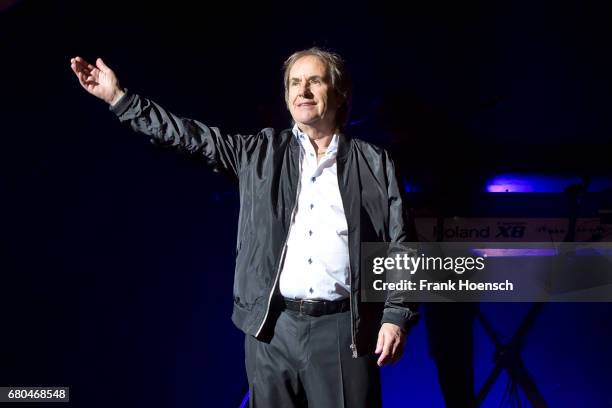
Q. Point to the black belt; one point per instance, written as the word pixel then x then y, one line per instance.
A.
pixel 317 307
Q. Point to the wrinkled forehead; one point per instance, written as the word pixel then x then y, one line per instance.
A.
pixel 308 66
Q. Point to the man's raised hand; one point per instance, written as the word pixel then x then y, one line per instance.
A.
pixel 98 80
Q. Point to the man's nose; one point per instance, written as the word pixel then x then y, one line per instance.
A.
pixel 305 90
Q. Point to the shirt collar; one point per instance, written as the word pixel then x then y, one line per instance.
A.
pixel 303 139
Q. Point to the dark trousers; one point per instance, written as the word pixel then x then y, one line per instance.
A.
pixel 308 363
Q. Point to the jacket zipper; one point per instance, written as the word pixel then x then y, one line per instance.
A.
pixel 281 261
pixel 353 344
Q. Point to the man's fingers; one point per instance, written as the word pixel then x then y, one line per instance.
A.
pixel 75 65
pixel 382 359
pixel 82 64
pixel 396 346
pixel 88 65
pixel 386 352
pixel 87 82
pixel 87 73
pixel 392 349
pixel 102 66
pixel 80 67
pixel 398 350
pixel 74 69
pixel 82 78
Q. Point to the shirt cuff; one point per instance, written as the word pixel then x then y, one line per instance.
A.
pixel 123 103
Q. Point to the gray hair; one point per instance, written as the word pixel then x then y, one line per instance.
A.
pixel 338 74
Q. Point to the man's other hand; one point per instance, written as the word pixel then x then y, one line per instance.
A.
pixel 390 345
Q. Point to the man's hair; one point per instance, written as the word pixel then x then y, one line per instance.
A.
pixel 339 78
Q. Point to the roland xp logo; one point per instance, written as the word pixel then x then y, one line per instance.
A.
pixel 507 231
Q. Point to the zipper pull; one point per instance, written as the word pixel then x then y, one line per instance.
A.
pixel 354 348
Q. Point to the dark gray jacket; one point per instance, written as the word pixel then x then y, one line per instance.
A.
pixel 267 166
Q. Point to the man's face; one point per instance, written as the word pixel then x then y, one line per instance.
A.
pixel 311 100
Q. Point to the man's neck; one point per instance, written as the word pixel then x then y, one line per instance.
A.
pixel 320 138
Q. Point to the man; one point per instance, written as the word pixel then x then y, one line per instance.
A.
pixel 309 196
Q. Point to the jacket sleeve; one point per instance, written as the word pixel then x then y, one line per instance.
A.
pixel 397 309
pixel 189 136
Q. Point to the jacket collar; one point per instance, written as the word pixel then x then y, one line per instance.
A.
pixel 344 146
pixel 344 143
pixel 303 139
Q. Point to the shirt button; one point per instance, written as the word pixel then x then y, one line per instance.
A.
pixel 309 232
pixel 311 290
pixel 313 179
pixel 309 260
pixel 311 205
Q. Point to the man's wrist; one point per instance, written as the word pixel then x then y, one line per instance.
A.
pixel 117 97
pixel 403 330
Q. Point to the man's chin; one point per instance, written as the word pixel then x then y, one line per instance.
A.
pixel 310 121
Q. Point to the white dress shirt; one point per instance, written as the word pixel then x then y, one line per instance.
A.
pixel 316 264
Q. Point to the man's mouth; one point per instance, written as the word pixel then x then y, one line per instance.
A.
pixel 306 104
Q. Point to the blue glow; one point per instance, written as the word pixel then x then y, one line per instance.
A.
pixel 530 183
pixel 411 187
pixel 599 183
pixel 514 252
pixel 245 400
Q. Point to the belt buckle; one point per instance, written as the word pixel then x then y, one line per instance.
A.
pixel 302 303
pixel 302 306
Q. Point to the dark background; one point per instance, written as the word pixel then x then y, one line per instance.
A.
pixel 117 256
